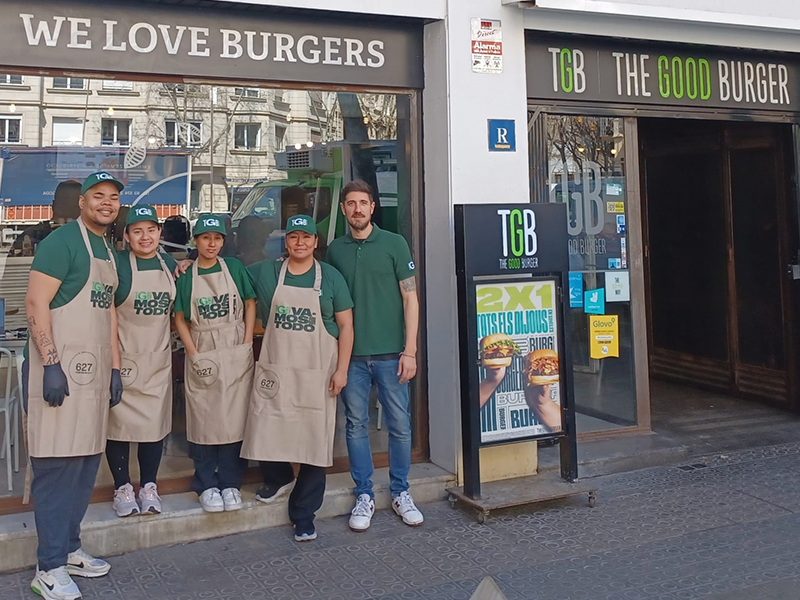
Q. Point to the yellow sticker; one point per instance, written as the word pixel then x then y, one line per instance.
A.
pixel 603 336
pixel 615 207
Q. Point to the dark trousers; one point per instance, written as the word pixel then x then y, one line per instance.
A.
pixel 118 455
pixel 217 465
pixel 308 492
pixel 61 489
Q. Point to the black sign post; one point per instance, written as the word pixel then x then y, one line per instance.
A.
pixel 512 266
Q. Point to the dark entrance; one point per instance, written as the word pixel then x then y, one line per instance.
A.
pixel 719 236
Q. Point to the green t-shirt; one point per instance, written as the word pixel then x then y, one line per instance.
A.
pixel 183 292
pixel 373 269
pixel 142 264
pixel 63 256
pixel 333 297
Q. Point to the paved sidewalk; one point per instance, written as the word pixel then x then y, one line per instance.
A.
pixel 726 528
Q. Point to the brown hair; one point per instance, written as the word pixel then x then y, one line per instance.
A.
pixel 357 185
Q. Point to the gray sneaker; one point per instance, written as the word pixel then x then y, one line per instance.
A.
pixel 150 500
pixel 125 501
pixel 361 515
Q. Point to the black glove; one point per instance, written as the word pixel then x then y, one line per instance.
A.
pixel 55 385
pixel 116 388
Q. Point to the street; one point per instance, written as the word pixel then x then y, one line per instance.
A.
pixel 724 526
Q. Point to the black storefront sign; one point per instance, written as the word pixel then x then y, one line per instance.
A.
pixel 516 375
pixel 239 43
pixel 561 67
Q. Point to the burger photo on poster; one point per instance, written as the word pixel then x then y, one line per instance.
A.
pixel 541 367
pixel 497 351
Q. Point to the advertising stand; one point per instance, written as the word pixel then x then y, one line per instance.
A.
pixel 512 266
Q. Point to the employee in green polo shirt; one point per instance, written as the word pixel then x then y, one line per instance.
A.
pixel 380 273
pixel 144 301
pixel 308 336
pixel 215 313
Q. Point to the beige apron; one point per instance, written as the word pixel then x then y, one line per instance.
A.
pixel 145 413
pixel 219 377
pixel 292 414
pixel 82 335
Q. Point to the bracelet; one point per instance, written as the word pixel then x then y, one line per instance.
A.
pixel 408 355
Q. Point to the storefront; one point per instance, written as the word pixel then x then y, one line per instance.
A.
pixel 258 112
pixel 678 164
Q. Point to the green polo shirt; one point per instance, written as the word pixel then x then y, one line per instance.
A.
pixel 183 292
pixel 63 256
pixel 373 269
pixel 334 296
pixel 142 264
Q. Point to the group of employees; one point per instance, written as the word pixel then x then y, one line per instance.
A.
pixel 99 373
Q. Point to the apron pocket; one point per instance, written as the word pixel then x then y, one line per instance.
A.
pixel 204 368
pixel 87 366
pixel 283 387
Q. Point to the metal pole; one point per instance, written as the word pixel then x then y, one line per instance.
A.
pixel 211 155
pixel 568 446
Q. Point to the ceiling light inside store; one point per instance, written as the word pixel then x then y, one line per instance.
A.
pixel 12 108
pixel 298 145
pixel 613 151
pixel 289 117
pixel 581 149
pixel 110 110
pixel 151 140
pixel 366 120
pixel 310 144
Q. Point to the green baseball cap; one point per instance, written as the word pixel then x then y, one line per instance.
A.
pixel 139 213
pixel 301 223
pixel 100 177
pixel 209 222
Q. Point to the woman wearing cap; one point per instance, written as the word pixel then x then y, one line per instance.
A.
pixel 215 313
pixel 308 338
pixel 144 301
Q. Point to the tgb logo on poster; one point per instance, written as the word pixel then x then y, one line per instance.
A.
pixel 520 244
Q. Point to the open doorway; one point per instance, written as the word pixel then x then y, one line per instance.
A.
pixel 720 231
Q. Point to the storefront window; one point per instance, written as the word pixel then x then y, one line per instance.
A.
pixel 586 170
pixel 258 155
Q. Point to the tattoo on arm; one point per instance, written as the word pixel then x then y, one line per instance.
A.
pixel 409 285
pixel 31 321
pixel 52 357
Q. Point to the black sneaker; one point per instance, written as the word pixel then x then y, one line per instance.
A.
pixel 270 493
pixel 304 532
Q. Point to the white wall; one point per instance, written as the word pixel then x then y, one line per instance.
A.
pixel 459 169
pixel 423 9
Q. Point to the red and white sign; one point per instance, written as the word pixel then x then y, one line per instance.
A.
pixel 487 46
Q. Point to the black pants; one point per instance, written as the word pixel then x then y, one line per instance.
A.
pixel 308 492
pixel 118 455
pixel 61 490
pixel 217 465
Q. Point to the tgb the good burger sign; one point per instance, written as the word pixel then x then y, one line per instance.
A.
pixel 237 43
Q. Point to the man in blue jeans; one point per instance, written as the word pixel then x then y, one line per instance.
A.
pixel 380 273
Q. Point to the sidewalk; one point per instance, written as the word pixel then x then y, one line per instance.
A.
pixel 721 527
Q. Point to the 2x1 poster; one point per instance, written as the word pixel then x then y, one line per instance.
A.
pixel 519 360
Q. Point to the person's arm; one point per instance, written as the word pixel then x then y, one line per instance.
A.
pixel 408 359
pixel 547 411
pixel 490 383
pixel 41 291
pixel 344 320
pixel 182 327
pixel 249 320
pixel 116 361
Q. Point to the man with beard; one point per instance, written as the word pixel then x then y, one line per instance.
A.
pixel 380 273
pixel 70 373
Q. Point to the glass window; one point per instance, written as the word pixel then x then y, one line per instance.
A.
pixel 116 85
pixel 169 130
pixel 247 92
pixel 67 132
pixel 116 132
pixel 69 83
pixel 246 136
pixel 188 135
pixel 10 128
pixel 10 79
pixel 280 138
pixel 586 170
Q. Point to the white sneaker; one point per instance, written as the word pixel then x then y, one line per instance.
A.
pixel 404 506
pixel 82 564
pixel 361 515
pixel 55 584
pixel 232 499
pixel 125 501
pixel 150 500
pixel 211 501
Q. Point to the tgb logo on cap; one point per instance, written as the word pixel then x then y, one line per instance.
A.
pixel 143 211
pixel 104 176
pixel 208 222
pixel 299 221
